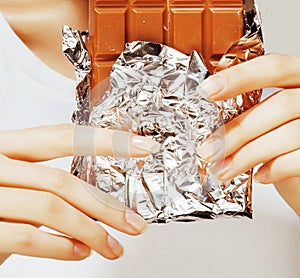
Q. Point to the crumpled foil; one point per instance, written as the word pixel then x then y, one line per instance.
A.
pixel 153 92
pixel 247 48
pixel 75 50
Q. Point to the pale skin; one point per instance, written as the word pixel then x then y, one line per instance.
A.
pixel 33 195
pixel 269 133
pixel 62 202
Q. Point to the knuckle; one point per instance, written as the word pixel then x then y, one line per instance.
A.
pixel 25 239
pixel 52 205
pixel 60 180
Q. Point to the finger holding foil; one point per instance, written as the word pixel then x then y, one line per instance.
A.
pixel 68 140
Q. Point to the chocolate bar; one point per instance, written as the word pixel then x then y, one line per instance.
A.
pixel 208 26
pixel 152 91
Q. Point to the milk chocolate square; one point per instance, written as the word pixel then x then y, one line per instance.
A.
pixel 207 26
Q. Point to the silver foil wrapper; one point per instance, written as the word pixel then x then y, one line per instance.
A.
pixel 153 92
pixel 75 50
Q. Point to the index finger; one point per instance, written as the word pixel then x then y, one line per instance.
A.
pixel 79 194
pixel 272 70
pixel 45 143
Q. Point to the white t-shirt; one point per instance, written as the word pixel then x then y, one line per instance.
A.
pixel 32 94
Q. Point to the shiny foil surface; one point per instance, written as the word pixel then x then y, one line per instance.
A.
pixel 153 92
pixel 75 50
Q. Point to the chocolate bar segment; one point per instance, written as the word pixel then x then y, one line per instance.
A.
pixel 208 26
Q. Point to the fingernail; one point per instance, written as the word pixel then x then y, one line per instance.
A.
pixel 211 149
pixel 213 85
pixel 222 171
pixel 260 176
pixel 81 250
pixel 125 144
pixel 135 221
pixel 145 144
pixel 115 246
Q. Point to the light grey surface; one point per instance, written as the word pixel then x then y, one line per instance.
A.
pixel 281 25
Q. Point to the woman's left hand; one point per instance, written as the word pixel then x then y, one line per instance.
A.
pixel 268 133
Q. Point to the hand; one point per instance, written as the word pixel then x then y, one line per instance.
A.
pixel 32 195
pixel 268 133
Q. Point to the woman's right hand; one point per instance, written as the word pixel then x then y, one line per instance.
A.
pixel 32 195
